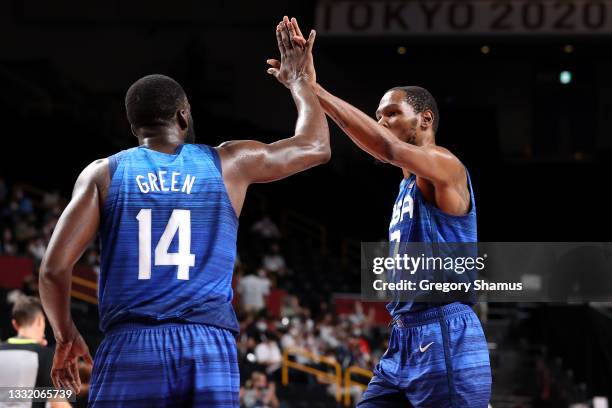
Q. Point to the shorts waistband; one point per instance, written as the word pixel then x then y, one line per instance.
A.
pixel 131 326
pixel 430 315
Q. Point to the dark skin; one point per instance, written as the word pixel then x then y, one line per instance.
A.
pixel 243 163
pixel 401 137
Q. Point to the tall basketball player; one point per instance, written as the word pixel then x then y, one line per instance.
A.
pixel 167 213
pixel 438 355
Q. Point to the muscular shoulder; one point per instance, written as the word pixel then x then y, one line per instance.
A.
pixel 96 172
pixel 453 167
pixel 235 148
pixel 95 176
pixel 236 154
pixel 441 152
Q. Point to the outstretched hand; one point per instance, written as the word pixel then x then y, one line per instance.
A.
pixel 296 54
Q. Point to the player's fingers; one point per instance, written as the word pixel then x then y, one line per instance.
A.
pixel 68 382
pixel 296 26
pixel 75 377
pixel 311 40
pixel 292 35
pixel 279 40
pixel 298 38
pixel 285 36
pixel 272 71
pixel 274 63
pixel 55 380
pixel 60 379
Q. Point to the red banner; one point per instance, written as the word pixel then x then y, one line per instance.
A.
pixel 13 270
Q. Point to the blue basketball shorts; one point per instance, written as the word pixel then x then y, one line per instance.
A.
pixel 436 358
pixel 169 365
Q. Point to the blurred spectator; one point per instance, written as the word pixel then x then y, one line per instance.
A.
pixel 268 353
pixel 26 354
pixel 291 307
pixel 289 339
pixel 30 284
pixel 359 351
pixel 51 200
pixel 57 210
pixel 24 229
pixel 258 393
pixel 37 248
pixel 48 227
pixel 357 317
pixel 274 261
pixel 24 204
pixel 327 331
pixel 266 228
pixel 253 290
pixel 7 245
pixel 92 259
pixel 258 327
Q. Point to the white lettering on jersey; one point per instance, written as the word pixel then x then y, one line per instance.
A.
pixel 153 182
pixel 143 186
pixel 401 208
pixel 162 182
pixel 188 184
pixel 174 175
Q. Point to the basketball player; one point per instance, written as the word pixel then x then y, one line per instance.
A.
pixel 167 213
pixel 437 355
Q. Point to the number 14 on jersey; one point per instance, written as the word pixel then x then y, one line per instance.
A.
pixel 180 221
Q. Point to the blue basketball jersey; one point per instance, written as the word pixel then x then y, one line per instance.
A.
pixel 416 220
pixel 168 240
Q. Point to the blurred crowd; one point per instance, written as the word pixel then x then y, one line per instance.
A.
pixel 310 330
pixel 28 217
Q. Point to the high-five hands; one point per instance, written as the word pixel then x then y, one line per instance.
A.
pixel 296 54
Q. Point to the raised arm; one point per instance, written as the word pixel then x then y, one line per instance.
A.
pixel 432 163
pixel 246 162
pixel 75 229
pixel 256 162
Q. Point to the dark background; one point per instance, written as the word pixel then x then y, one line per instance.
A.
pixel 538 151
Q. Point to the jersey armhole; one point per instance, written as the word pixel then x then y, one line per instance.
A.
pixel 214 155
pixel 216 159
pixel 113 162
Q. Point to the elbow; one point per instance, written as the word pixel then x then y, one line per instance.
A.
pixel 316 152
pixel 46 274
pixel 49 273
pixel 321 154
pixel 323 148
pixel 324 154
